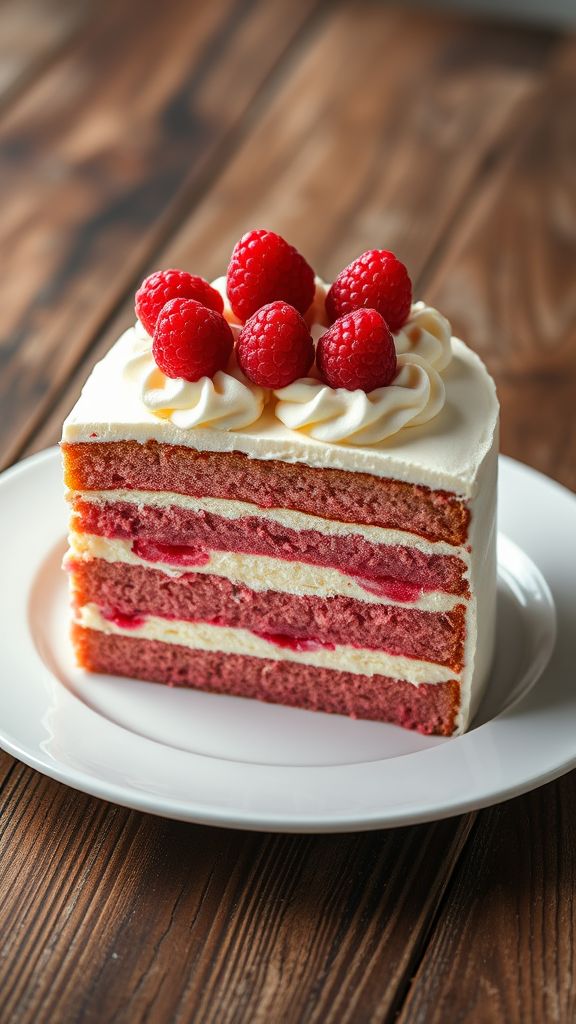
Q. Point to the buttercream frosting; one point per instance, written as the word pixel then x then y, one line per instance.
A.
pixel 336 415
pixel 225 401
pixel 415 396
pixel 229 401
pixel 258 572
pixel 427 334
pixel 446 452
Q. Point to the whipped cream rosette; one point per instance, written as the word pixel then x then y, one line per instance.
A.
pixel 416 395
pixel 226 401
pixel 427 334
pixel 338 416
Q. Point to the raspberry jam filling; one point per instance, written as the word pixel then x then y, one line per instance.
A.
pixel 386 586
pixel 122 621
pixel 294 643
pixel 283 640
pixel 172 554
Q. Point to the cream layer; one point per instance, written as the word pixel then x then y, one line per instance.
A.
pixel 288 518
pixel 258 572
pixel 205 637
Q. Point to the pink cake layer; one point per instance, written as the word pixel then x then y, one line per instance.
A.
pixel 329 493
pixel 428 708
pixel 133 590
pixel 354 555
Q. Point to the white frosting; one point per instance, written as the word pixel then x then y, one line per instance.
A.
pixel 427 334
pixel 444 453
pixel 415 396
pixel 229 401
pixel 481 609
pixel 226 401
pixel 206 637
pixel 336 415
pixel 228 313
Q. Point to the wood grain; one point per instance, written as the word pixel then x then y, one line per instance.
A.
pixel 113 915
pixel 504 946
pixel 34 33
pixel 340 153
pixel 89 189
pixel 508 276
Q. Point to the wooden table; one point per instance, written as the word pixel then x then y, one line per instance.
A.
pixel 135 135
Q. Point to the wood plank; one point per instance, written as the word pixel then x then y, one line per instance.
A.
pixel 503 948
pixel 507 277
pixel 32 34
pixel 113 915
pixel 89 190
pixel 340 150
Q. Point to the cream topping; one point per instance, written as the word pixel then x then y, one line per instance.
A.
pixel 336 415
pixel 427 334
pixel 229 401
pixel 415 396
pixel 226 401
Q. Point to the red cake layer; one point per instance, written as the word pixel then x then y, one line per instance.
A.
pixel 428 708
pixel 329 493
pixel 203 531
pixel 133 590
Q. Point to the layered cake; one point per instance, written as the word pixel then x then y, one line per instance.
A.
pixel 287 491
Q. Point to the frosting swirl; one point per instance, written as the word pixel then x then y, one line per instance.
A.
pixel 336 415
pixel 427 334
pixel 416 395
pixel 227 401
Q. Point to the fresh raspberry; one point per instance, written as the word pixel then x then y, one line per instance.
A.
pixel 275 346
pixel 376 280
pixel 164 285
pixel 263 268
pixel 190 340
pixel 357 352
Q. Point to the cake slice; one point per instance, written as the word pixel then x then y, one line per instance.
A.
pixel 267 529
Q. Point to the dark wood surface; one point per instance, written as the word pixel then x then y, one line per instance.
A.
pixel 137 134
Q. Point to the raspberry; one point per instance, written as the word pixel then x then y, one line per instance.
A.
pixel 357 352
pixel 156 290
pixel 376 280
pixel 275 346
pixel 190 340
pixel 263 268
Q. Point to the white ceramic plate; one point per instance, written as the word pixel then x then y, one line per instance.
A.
pixel 228 761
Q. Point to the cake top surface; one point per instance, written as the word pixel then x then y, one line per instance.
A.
pixel 446 452
pixel 272 362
